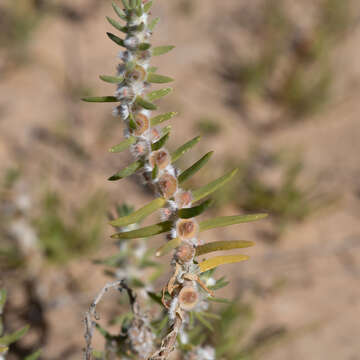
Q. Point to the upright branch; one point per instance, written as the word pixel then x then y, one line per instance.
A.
pixel 185 290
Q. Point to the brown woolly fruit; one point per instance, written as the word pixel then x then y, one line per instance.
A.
pixel 186 229
pixel 188 297
pixel 142 124
pixel 160 158
pixel 167 185
pixel 184 253
pixel 183 198
pixel 137 74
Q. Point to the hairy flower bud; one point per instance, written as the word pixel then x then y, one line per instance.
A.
pixel 161 158
pixel 188 297
pixel 167 185
pixel 183 198
pixel 184 253
pixel 187 229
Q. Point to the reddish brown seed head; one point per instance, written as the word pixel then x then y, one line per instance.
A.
pixel 183 198
pixel 167 185
pixel 155 134
pixel 142 124
pixel 188 297
pixel 184 253
pixel 161 158
pixel 187 229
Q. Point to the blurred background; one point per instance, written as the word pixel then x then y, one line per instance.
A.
pixel 272 85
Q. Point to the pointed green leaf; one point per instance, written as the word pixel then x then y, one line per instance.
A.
pixel 145 104
pixel 155 172
pixel 133 4
pixel 147 6
pixel 210 315
pixel 115 39
pixel 192 170
pixel 203 321
pixel 116 25
pixel 168 246
pixel 34 356
pixel 100 99
pixel 157 94
pixel 123 145
pixel 15 336
pixel 145 232
pixel 184 148
pixel 153 23
pixel 161 118
pixel 138 215
pixel 187 213
pixel 152 69
pixel 213 186
pixel 158 79
pixel 160 50
pixel 220 260
pixel 119 12
pixel 126 4
pixel 219 300
pixel 165 130
pixel 229 220
pixel 3 296
pixel 160 143
pixel 132 123
pixel 112 79
pixel 144 46
pixel 129 170
pixel 222 245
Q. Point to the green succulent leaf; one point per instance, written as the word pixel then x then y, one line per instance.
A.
pixel 138 215
pixel 219 300
pixel 213 186
pixel 129 170
pixel 155 172
pixel 161 118
pixel 119 12
pixel 160 50
pixel 222 245
pixel 144 46
pixel 102 99
pixel 115 39
pixel 168 246
pixel 3 296
pixel 152 69
pixel 132 123
pixel 203 321
pixel 15 336
pixel 184 148
pixel 116 25
pixel 145 104
pixel 148 6
pixel 187 213
pixel 34 356
pixel 220 260
pixel 158 79
pixel 192 170
pixel 145 231
pixel 157 94
pixel 160 143
pixel 112 79
pixel 229 220
pixel 153 23
pixel 123 145
pixel 126 4
pixel 165 130
pixel 133 4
